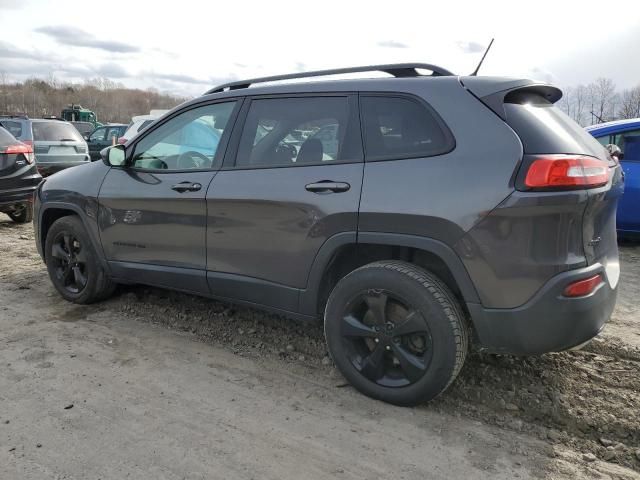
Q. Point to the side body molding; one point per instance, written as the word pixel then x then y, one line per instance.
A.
pixel 83 214
pixel 309 296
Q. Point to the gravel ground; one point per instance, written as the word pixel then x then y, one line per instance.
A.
pixel 269 390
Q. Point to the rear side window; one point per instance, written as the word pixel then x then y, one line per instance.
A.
pixel 399 127
pixel 14 128
pixel 543 128
pixel 6 138
pixel 298 131
pixel 55 132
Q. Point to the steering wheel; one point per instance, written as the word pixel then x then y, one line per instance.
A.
pixel 286 150
pixel 192 159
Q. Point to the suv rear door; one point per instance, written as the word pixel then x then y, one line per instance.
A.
pixel 152 211
pixel 292 181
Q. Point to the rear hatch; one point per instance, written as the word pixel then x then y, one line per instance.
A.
pixel 58 142
pixel 546 132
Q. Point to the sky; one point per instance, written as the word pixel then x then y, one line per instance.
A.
pixel 187 47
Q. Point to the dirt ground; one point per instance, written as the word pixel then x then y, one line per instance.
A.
pixel 162 385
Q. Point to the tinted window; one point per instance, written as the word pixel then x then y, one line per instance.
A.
pixel 603 140
pixel 6 138
pixel 396 127
pixel 145 124
pixel 98 135
pixel 55 131
pixel 297 131
pixel 187 141
pixel 14 128
pixel 543 128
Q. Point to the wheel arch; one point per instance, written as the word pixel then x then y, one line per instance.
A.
pixel 50 212
pixel 347 251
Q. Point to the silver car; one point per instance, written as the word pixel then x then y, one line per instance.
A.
pixel 57 145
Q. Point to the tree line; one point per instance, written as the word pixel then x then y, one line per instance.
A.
pixel 599 102
pixel 111 101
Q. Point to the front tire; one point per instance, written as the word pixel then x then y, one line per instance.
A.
pixel 73 264
pixel 23 214
pixel 396 332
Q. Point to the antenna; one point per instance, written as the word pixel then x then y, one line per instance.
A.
pixel 475 72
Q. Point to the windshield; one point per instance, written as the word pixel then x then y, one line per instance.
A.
pixel 55 131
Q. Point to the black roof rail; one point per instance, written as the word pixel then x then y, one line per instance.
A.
pixel 395 69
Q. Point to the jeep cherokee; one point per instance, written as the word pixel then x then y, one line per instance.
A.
pixel 413 214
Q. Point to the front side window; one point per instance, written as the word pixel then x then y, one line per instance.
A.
pixel 398 127
pixel 98 135
pixel 186 142
pixel 620 138
pixel 296 131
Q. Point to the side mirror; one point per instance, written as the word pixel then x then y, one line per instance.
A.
pixel 113 156
pixel 614 150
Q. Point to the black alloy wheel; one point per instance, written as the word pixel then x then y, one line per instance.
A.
pixel 70 262
pixel 386 339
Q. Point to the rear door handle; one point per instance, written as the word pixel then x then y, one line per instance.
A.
pixel 327 186
pixel 186 187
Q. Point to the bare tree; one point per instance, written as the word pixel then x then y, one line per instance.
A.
pixel 630 103
pixel 111 101
pixel 603 92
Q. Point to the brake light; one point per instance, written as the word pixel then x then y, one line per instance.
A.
pixel 26 150
pixel 583 287
pixel 557 171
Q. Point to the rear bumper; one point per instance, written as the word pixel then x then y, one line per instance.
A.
pixel 549 322
pixel 18 188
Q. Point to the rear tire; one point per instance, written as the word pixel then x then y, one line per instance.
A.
pixel 73 264
pixel 396 332
pixel 23 214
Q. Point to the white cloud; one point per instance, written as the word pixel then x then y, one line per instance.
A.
pixel 183 48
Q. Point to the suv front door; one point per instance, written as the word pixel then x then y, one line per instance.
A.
pixel 291 182
pixel 152 211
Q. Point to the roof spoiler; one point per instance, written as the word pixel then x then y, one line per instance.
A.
pixel 493 92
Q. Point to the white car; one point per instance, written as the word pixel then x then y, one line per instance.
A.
pixel 139 123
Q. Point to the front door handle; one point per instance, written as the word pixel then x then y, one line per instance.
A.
pixel 327 186
pixel 186 187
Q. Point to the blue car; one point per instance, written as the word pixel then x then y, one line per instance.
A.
pixel 626 135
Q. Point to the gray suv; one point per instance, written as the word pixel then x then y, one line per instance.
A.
pixel 413 215
pixel 56 144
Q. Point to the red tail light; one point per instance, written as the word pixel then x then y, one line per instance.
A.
pixel 19 148
pixel 557 171
pixel 583 287
pixel 28 142
pixel 26 150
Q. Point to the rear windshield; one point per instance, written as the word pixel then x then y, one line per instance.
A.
pixel 15 128
pixel 6 138
pixel 543 128
pixel 55 132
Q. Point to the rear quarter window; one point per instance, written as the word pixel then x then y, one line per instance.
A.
pixel 398 127
pixel 6 138
pixel 13 127
pixel 543 128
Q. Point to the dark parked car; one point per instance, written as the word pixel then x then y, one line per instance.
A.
pixel 444 209
pixel 103 137
pixel 19 178
pixel 57 144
